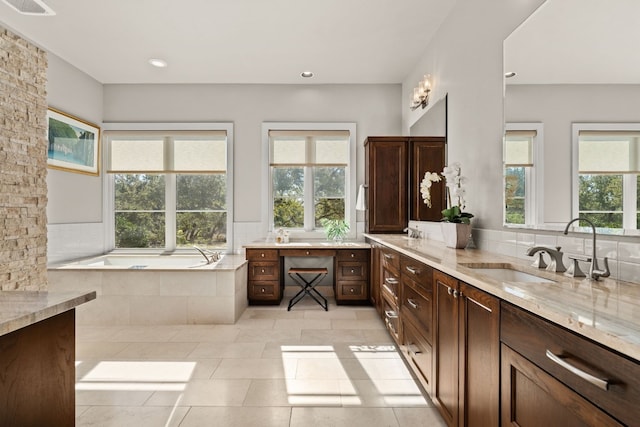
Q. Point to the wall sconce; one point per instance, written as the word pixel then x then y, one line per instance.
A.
pixel 421 93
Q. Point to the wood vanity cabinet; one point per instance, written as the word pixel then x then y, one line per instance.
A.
pixel 264 284
pixel 466 367
pixel 416 315
pixel 595 387
pixel 394 168
pixel 352 276
pixel 390 292
pixel 376 278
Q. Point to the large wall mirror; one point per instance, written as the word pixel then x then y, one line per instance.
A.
pixel 572 114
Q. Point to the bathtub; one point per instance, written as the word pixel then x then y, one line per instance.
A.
pixel 136 289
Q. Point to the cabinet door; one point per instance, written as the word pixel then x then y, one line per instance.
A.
pixel 479 358
pixel 533 398
pixel 387 184
pixel 446 348
pixel 427 155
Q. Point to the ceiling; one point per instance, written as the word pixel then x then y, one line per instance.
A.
pixel 577 41
pixel 236 41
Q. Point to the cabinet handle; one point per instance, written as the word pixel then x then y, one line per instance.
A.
pixel 449 291
pixel 456 294
pixel 262 290
pixel 598 382
pixel 352 271
pixel 262 254
pixel 352 290
pixel 308 252
pixel 412 270
pixel 387 256
pixel 412 303
pixel 263 270
pixel 391 314
pixel 353 255
pixel 413 349
pixel 390 281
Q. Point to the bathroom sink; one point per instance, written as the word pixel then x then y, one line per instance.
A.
pixel 506 273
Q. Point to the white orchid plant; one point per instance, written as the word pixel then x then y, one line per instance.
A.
pixel 455 190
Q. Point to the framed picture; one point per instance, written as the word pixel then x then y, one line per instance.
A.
pixel 74 145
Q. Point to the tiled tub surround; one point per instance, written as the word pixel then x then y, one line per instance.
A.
pixel 161 294
pixel 606 311
pixel 624 255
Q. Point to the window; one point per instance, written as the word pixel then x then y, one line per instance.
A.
pixel 522 169
pixel 310 175
pixel 606 171
pixel 169 189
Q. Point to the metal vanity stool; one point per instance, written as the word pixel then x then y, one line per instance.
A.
pixel 308 286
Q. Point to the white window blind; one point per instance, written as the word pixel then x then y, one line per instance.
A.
pixel 608 152
pixel 179 152
pixel 309 148
pixel 518 148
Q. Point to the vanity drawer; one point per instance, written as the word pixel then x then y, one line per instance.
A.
pixel 416 271
pixel 264 290
pixel 539 341
pixel 353 255
pixel 262 254
pixel 264 270
pixel 390 260
pixel 419 307
pixel 418 352
pixel 307 252
pixel 347 270
pixel 351 290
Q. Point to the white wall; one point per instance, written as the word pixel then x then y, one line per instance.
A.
pixel 465 59
pixel 557 107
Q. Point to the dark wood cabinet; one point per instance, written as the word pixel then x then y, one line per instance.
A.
pixel 352 276
pixel 376 278
pixel 394 167
pixel 556 375
pixel 390 291
pixel 466 353
pixel 264 285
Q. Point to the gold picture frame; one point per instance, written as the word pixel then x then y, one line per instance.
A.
pixel 74 144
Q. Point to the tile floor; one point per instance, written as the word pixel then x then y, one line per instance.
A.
pixel 306 367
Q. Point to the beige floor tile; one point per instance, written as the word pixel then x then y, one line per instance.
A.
pixel 291 392
pixel 279 335
pixel 157 351
pixel 411 417
pixel 367 314
pixel 375 324
pixel 134 416
pixel 280 313
pixel 302 324
pixel 274 350
pixel 370 417
pixel 215 392
pixel 237 417
pixel 253 324
pixel 96 333
pixel 208 350
pixel 328 337
pixel 207 334
pixel 123 396
pixel 382 393
pixel 156 333
pixel 97 349
pixel 377 337
pixel 256 368
pixel 317 369
pixel 376 369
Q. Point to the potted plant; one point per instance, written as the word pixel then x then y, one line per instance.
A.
pixel 336 229
pixel 456 224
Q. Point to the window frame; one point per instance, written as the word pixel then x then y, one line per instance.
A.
pixel 534 176
pixel 170 186
pixel 629 181
pixel 350 177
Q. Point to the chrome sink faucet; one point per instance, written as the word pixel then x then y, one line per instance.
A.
pixel 594 271
pixel 414 233
pixel 555 265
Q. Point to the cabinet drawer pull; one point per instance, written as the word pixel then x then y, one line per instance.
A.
pixel 390 281
pixel 413 350
pixel 352 271
pixel 412 270
pixel 262 290
pixel 263 270
pixel 353 255
pixel 262 254
pixel 412 303
pixel 598 382
pixel 449 291
pixel 388 256
pixel 391 314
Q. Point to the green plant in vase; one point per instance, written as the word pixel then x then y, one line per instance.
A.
pixel 336 229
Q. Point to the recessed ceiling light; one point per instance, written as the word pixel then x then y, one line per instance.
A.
pixel 30 7
pixel 306 74
pixel 160 63
pixel 510 74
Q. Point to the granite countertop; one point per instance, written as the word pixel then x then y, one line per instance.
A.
pixel 19 309
pixel 606 311
pixel 309 244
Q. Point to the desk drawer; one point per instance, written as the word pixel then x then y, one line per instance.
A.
pixel 307 252
pixel 262 254
pixel 269 270
pixel 267 290
pixel 351 270
pixel 353 255
pixel 351 290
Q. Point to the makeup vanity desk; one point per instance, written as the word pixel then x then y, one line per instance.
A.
pixel 265 279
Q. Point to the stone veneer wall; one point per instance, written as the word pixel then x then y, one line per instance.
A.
pixel 23 164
